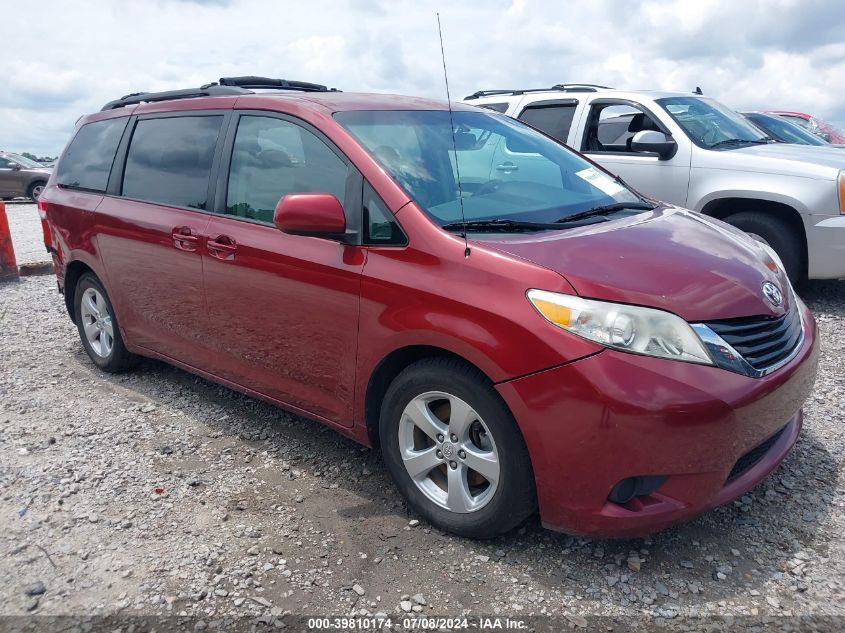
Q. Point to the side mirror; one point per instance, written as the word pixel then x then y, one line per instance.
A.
pixel 653 141
pixel 314 214
pixel 15 167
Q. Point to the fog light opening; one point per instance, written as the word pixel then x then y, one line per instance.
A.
pixel 631 487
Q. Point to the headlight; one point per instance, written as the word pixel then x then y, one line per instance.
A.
pixel 627 328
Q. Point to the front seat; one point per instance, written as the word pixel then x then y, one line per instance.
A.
pixel 640 122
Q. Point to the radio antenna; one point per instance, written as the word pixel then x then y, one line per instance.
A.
pixel 454 142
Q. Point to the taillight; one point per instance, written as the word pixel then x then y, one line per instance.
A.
pixel 45 227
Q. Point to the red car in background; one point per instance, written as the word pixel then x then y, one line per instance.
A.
pixel 822 129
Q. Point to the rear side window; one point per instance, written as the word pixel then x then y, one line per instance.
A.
pixel 273 157
pixel 169 160
pixel 554 120
pixel 87 162
pixel 496 107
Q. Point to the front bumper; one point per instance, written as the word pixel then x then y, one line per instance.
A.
pixel 826 247
pixel 594 422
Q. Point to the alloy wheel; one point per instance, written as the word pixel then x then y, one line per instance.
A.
pixel 97 322
pixel 449 452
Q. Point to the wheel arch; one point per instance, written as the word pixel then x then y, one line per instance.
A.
pixel 73 272
pixel 723 208
pixel 391 366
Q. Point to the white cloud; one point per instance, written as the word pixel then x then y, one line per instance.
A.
pixel 751 54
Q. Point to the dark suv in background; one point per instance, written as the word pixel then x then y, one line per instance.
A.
pixel 20 176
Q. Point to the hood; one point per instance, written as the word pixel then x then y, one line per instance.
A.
pixel 809 161
pixel 676 260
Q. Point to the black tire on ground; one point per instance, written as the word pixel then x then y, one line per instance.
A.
pixel 35 190
pixel 119 359
pixel 779 235
pixel 515 496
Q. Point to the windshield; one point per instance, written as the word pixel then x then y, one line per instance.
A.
pixel 710 124
pixel 827 130
pixel 783 130
pixel 507 169
pixel 24 162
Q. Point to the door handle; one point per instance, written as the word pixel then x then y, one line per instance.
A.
pixel 184 239
pixel 507 167
pixel 222 247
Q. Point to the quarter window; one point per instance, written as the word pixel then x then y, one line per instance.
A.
pixel 273 157
pixel 554 120
pixel 380 226
pixel 87 162
pixel 169 160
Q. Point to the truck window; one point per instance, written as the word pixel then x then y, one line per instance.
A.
pixel 553 119
pixel 496 107
pixel 611 126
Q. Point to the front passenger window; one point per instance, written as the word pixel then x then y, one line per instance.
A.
pixel 273 157
pixel 611 127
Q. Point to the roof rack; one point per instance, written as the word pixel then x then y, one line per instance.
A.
pixel 555 88
pixel 279 84
pixel 224 86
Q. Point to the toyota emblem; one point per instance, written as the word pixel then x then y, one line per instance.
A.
pixel 772 293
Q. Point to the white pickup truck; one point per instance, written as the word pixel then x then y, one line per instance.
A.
pixel 691 151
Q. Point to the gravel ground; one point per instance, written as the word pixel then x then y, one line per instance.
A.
pixel 27 237
pixel 156 492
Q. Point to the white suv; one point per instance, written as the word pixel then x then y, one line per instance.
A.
pixel 692 151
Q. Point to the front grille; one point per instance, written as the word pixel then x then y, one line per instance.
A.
pixel 761 341
pixel 754 455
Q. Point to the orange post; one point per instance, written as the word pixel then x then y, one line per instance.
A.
pixel 8 264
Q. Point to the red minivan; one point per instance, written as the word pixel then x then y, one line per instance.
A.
pixel 514 336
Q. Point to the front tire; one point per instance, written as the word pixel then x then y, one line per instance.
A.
pixel 777 234
pixel 98 328
pixel 454 450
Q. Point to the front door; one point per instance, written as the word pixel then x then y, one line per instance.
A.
pixel 282 309
pixel 10 178
pixel 607 140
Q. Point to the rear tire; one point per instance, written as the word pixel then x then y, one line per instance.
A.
pixel 777 234
pixel 98 327
pixel 451 398
pixel 35 190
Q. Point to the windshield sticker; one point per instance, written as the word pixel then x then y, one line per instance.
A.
pixel 600 181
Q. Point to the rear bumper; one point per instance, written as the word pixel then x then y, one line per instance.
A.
pixel 592 423
pixel 826 247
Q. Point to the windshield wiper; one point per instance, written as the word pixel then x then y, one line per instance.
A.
pixel 735 141
pixel 605 209
pixel 501 224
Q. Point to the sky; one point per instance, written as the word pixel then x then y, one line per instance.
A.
pixel 749 54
